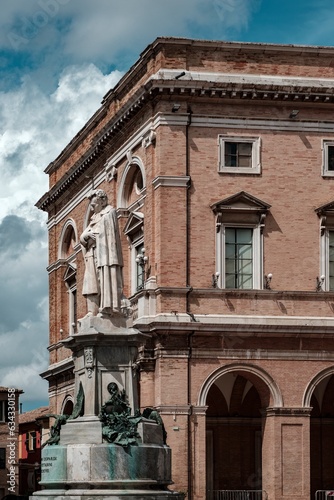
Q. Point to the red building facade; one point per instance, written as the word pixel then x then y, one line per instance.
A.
pixel 33 432
pixel 219 160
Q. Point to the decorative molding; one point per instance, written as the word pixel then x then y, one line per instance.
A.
pixel 281 83
pixel 171 181
pixel 199 410
pixel 245 325
pixel 67 365
pixel 288 412
pixel 236 367
pixel 174 410
pixel 133 163
pixel 111 172
pixel 261 354
pixel 89 360
pixel 149 139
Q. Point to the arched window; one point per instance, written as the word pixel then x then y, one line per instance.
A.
pixel 68 240
pixel 67 249
pixel 132 184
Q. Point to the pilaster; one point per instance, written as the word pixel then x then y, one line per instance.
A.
pixel 286 453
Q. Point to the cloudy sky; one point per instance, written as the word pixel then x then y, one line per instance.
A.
pixel 57 60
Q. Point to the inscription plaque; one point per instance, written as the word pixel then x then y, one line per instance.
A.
pixel 53 464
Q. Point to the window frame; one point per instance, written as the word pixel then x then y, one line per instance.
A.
pixel 255 157
pixel 257 264
pixel 71 285
pixel 4 411
pixel 136 245
pixel 134 231
pixel 31 441
pixel 2 458
pixel 326 143
pixel 324 265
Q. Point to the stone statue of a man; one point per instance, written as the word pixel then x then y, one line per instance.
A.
pixel 101 246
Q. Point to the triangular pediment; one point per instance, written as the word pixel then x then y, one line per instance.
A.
pixel 134 223
pixel 241 202
pixel 70 271
pixel 327 209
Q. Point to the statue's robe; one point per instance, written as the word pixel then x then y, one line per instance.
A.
pixel 103 260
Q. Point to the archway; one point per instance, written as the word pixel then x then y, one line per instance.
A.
pixel 67 407
pixel 235 397
pixel 320 396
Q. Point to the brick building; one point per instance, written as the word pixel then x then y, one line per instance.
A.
pixel 219 158
pixel 33 432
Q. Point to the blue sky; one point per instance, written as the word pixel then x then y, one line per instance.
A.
pixel 57 60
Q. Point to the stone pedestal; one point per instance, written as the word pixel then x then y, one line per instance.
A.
pixel 83 465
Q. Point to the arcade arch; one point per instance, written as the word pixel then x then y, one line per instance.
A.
pixel 319 395
pixel 236 396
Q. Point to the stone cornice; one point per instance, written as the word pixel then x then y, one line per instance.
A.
pixel 242 87
pixel 201 83
pixel 244 325
pixel 265 48
pixel 56 369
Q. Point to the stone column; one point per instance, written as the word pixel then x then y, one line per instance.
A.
pixel 286 453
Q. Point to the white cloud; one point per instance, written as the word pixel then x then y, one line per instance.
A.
pixel 34 128
pixel 25 377
pixel 106 29
pixel 82 29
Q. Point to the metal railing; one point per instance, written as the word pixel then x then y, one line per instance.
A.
pixel 238 495
pixel 324 494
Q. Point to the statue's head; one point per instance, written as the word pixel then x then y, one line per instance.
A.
pixel 112 388
pixel 98 199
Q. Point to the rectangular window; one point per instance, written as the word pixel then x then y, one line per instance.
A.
pixel 73 309
pixel 2 458
pixel 330 153
pixel 328 158
pixel 331 259
pixel 239 258
pixel 31 441
pixel 239 155
pixel 3 411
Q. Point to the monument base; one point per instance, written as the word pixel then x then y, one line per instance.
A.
pixel 106 466
pixel 106 472
pixel 97 494
pixel 111 451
